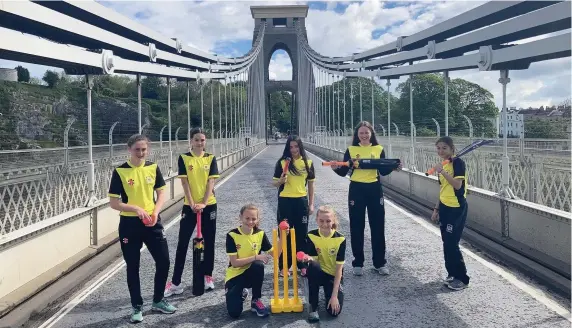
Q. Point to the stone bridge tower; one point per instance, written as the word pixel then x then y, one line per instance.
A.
pixel 280 34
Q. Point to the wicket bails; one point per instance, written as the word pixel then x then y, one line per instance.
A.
pixel 285 304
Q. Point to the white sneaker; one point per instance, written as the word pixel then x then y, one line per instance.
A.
pixel 209 283
pixel 384 271
pixel 358 271
pixel 173 289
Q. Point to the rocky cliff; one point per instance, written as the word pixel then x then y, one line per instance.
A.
pixel 35 116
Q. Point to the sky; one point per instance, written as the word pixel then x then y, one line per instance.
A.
pixel 335 28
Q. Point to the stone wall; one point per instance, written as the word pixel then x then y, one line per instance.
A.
pixel 8 74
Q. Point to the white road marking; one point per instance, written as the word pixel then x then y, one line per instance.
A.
pixel 111 272
pixel 531 290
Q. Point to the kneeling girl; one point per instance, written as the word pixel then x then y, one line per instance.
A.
pixel 246 267
pixel 326 248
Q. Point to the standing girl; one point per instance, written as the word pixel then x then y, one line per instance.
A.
pixel 366 193
pixel 451 210
pixel 327 249
pixel 246 267
pixel 198 171
pixel 131 193
pixel 295 203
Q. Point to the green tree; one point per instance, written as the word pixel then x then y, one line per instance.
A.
pixel 544 129
pixel 51 78
pixel 23 74
pixel 150 87
pixel 465 98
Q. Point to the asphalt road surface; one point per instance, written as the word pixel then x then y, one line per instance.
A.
pixel 412 295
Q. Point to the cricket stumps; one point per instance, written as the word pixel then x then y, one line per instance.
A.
pixel 285 304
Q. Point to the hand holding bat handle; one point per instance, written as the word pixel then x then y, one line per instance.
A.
pixel 432 170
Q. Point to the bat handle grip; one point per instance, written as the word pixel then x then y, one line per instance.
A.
pixel 199 230
pixel 432 170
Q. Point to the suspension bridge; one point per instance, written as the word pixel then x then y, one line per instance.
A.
pixel 61 262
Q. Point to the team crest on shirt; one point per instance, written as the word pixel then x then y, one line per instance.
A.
pixel 357 156
pixel 131 182
pixel 205 167
pixel 237 247
pixel 149 180
pixel 254 246
pixel 332 251
pixel 318 250
pixel 190 167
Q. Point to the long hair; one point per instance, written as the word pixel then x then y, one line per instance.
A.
pixel 372 139
pixel 286 153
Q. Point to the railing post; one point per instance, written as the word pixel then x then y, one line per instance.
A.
pixel 161 137
pixel 90 166
pixel 66 141
pixel 111 140
pixel 505 191
pixel 438 127
pixel 139 103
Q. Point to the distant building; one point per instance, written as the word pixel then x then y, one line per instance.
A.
pixel 8 74
pixel 517 118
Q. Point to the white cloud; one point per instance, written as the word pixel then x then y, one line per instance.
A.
pixel 280 67
pixel 212 25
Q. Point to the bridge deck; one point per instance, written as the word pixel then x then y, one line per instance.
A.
pixel 411 296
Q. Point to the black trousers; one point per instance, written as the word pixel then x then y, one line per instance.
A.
pixel 295 210
pixel 251 278
pixel 317 278
pixel 452 222
pixel 368 196
pixel 187 226
pixel 132 235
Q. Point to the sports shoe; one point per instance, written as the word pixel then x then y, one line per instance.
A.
pixel 384 271
pixel 457 285
pixel 358 271
pixel 448 280
pixel 313 317
pixel 245 294
pixel 258 307
pixel 173 289
pixel 209 283
pixel 163 306
pixel 136 315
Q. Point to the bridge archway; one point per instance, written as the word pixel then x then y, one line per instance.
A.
pixel 281 64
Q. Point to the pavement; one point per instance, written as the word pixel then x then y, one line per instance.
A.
pixel 412 295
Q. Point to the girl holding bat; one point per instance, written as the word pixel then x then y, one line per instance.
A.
pixel 326 256
pixel 451 211
pixel 366 192
pixel 292 174
pixel 131 191
pixel 198 171
pixel 246 268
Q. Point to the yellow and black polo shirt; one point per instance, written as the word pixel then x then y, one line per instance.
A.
pixel 295 185
pixel 448 195
pixel 245 245
pixel 135 185
pixel 361 152
pixel 328 250
pixel 198 170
